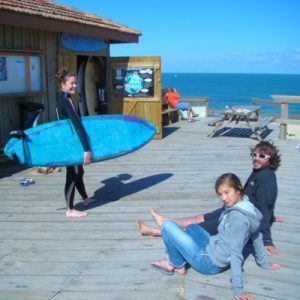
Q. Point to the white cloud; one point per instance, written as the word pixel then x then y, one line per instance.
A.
pixel 297 58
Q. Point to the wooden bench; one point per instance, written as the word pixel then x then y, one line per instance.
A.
pixel 216 120
pixel 264 121
pixel 168 110
pixel 169 115
pixel 262 124
pixel 256 128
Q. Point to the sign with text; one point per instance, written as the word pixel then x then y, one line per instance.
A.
pixel 133 81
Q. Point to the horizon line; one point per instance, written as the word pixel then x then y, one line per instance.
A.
pixel 254 73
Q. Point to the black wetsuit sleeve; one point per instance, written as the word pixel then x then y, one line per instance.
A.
pixel 66 111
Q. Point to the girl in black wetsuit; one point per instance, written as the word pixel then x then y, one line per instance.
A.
pixel 74 174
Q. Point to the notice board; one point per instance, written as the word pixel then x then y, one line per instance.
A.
pixel 20 73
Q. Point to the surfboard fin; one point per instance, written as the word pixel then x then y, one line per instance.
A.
pixel 20 134
pixel 17 134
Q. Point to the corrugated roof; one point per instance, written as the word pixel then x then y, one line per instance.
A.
pixel 51 10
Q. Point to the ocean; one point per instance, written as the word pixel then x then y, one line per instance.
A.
pixel 235 89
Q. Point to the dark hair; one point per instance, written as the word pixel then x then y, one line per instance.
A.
pixel 269 149
pixel 63 75
pixel 169 89
pixel 231 180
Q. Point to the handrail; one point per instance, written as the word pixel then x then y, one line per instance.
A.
pixel 265 102
pixel 284 101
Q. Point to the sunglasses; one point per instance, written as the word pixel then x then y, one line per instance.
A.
pixel 260 155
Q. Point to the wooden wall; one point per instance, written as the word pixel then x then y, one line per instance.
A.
pixel 46 45
pixel 23 40
pixel 145 107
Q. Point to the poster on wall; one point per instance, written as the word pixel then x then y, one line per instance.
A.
pixel 35 73
pixel 13 74
pixel 20 75
pixel 20 68
pixel 3 69
pixel 133 81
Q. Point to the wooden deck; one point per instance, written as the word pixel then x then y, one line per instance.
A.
pixel 43 255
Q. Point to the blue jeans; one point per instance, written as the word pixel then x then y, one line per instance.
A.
pixel 188 246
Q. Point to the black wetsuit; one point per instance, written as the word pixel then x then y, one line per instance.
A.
pixel 261 188
pixel 74 174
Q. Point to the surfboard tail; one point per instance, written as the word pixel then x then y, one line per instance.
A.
pixel 18 157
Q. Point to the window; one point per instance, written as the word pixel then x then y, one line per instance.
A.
pixel 20 73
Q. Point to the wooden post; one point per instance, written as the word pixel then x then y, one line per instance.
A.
pixel 284 100
pixel 283 115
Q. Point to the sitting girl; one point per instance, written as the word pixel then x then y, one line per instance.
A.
pixel 208 254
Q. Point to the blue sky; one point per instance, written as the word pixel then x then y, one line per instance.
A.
pixel 215 36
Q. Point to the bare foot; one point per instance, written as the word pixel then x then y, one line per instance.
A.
pixel 88 201
pixel 147 230
pixel 181 271
pixel 199 219
pixel 159 219
pixel 279 219
pixel 73 213
pixel 163 265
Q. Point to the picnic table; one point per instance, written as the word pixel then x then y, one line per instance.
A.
pixel 237 114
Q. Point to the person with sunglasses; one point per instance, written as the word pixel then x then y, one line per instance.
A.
pixel 260 187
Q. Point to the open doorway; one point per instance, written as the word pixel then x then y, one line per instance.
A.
pixel 92 85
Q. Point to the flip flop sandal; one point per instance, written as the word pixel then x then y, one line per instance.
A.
pixel 26 181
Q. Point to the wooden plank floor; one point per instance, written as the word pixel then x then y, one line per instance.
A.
pixel 43 255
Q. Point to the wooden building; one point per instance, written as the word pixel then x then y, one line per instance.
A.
pixel 38 37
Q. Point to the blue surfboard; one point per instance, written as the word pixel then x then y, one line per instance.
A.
pixel 57 144
pixel 77 42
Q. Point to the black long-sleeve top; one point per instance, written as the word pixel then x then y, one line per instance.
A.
pixel 66 110
pixel 261 188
